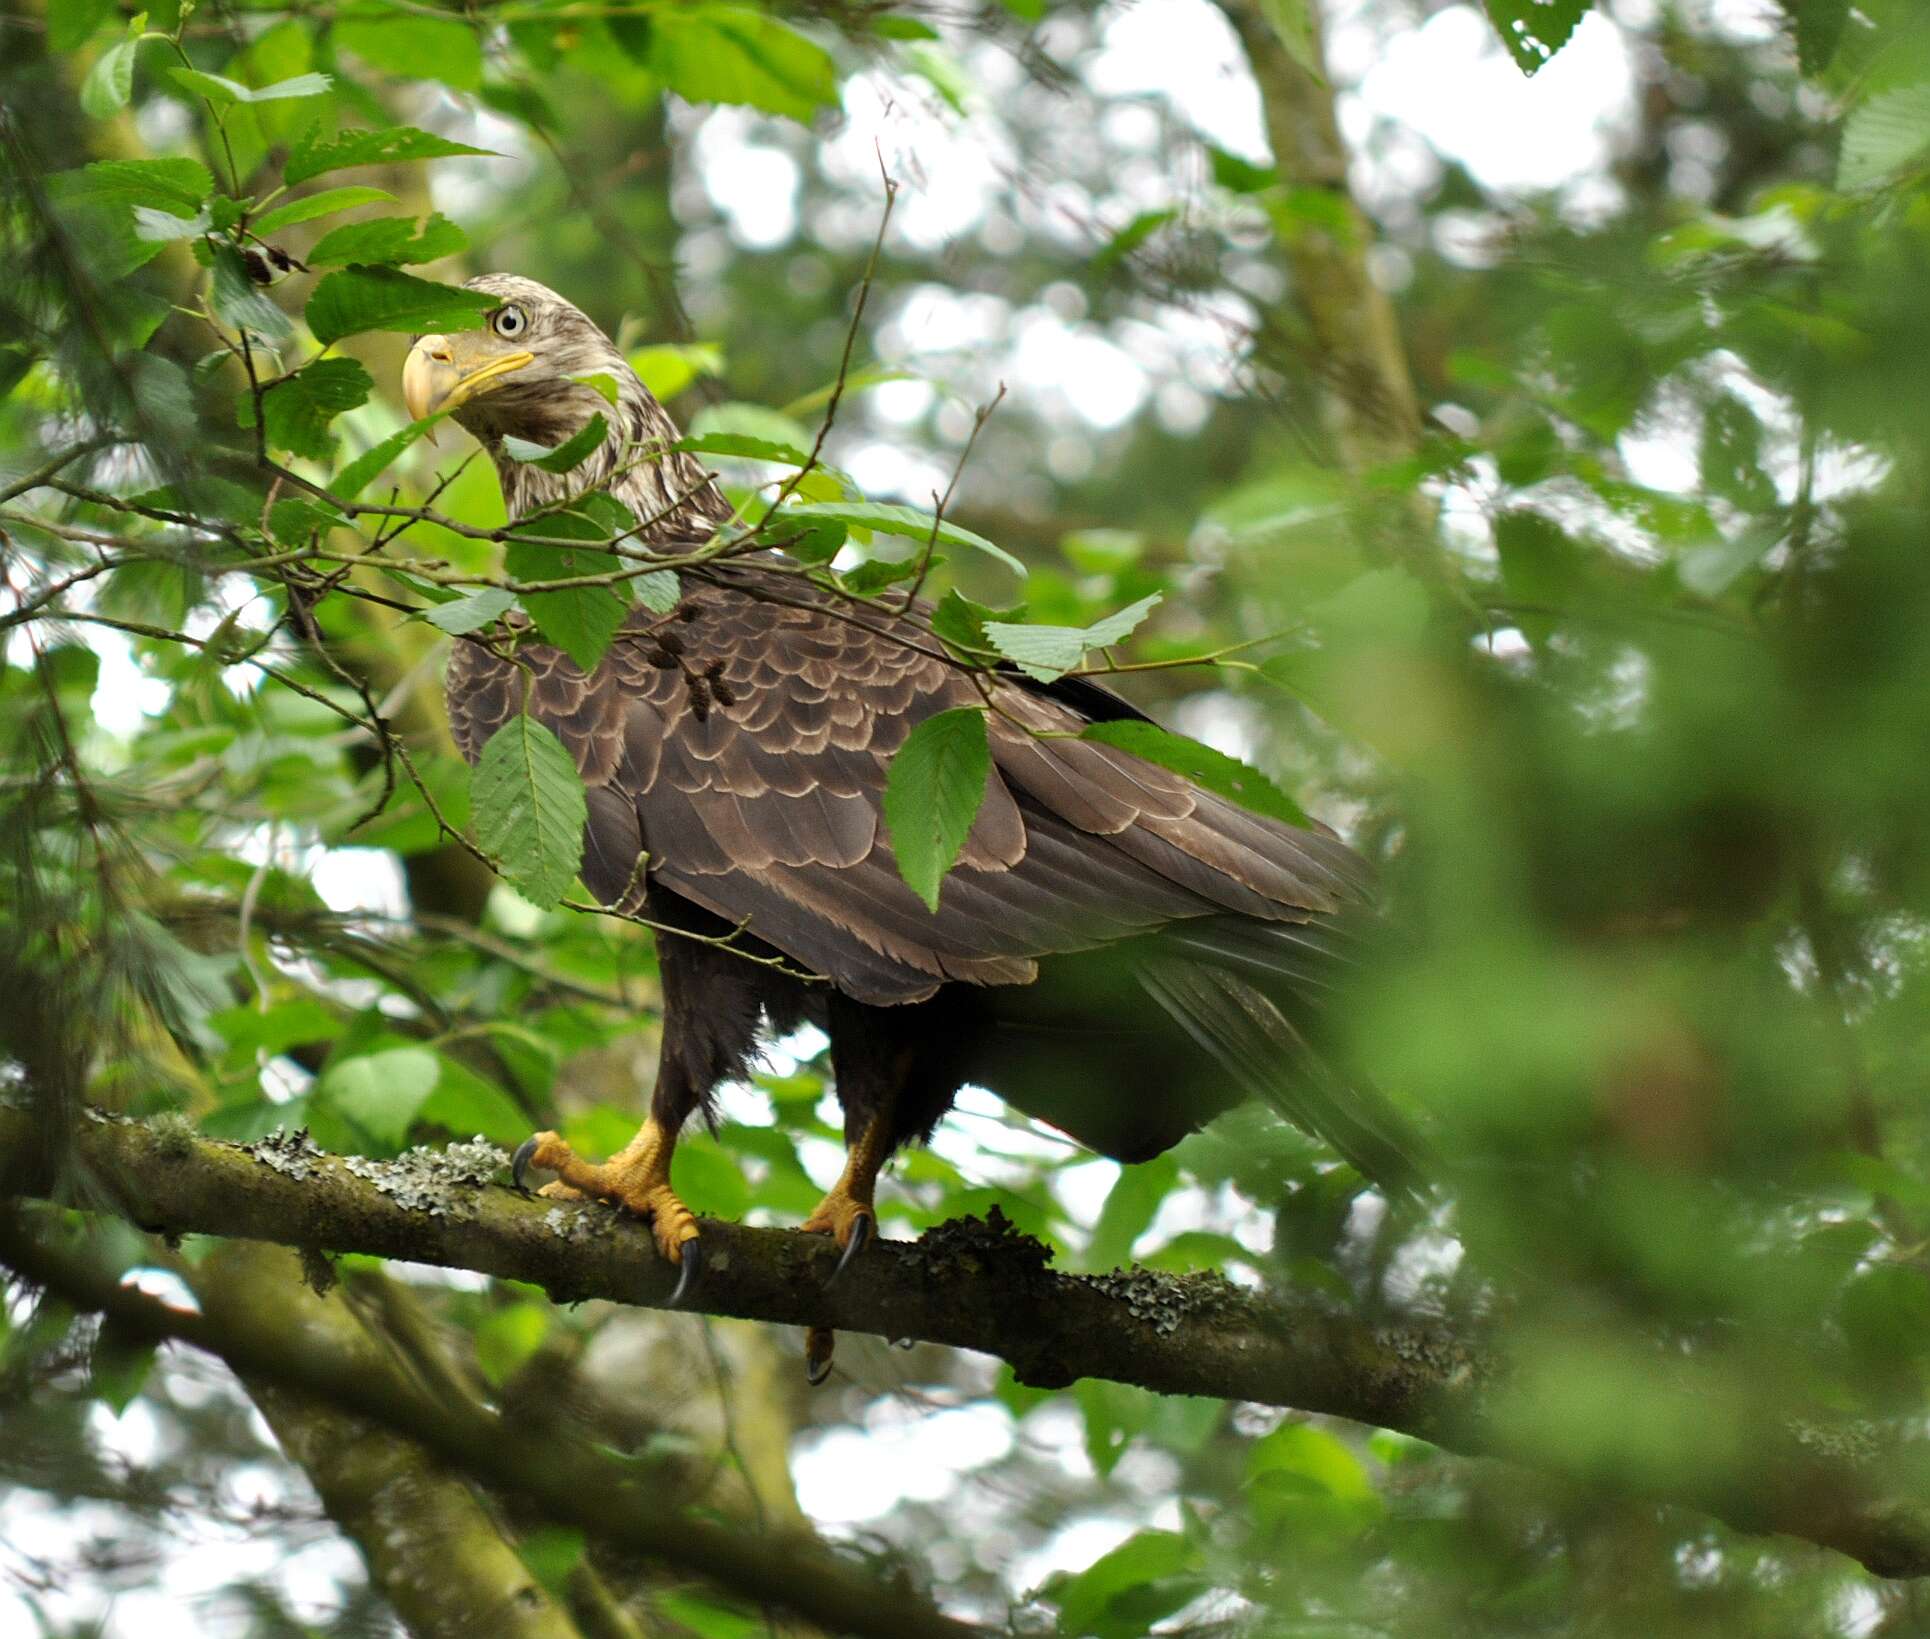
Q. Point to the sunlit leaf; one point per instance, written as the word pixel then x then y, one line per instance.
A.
pixel 528 805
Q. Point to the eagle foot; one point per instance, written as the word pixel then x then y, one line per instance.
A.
pixel 853 1222
pixel 637 1178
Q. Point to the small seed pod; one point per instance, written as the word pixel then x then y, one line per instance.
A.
pixel 670 642
pixel 661 658
pixel 720 691
pixel 699 698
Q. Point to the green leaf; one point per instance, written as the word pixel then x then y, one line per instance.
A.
pixel 415 47
pixel 1214 770
pixel 71 23
pixel 355 299
pixel 389 239
pixel 600 382
pixel 735 54
pixel 667 368
pixel 958 619
pixel 659 591
pixel 1238 175
pixel 237 300
pixel 314 155
pixel 1883 134
pixel 179 185
pixel 1294 29
pixel 472 613
pixel 1819 30
pixel 878 573
pixel 1534 30
pixel 380 1093
pixel 325 203
pixel 110 82
pixel 744 448
pixel 551 1552
pixel 505 1340
pixel 465 1104
pixel 1123 1593
pixel 579 620
pixel 1103 551
pixel 1129 238
pixel 1049 652
pixel 566 456
pixel 298 408
pixel 165 227
pixel 118 1366
pixel 374 461
pixel 889 519
pixel 933 789
pixel 225 92
pixel 1131 1205
pixel 527 800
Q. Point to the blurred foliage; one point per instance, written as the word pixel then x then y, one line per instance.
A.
pixel 1625 697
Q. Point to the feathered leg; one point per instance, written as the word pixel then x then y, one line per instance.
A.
pixel 711 1004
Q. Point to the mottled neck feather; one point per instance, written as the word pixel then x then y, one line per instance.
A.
pixel 668 490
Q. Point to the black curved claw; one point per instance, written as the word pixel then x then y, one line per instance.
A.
pixel 519 1162
pixel 862 1228
pixel 689 1271
pixel 819 1341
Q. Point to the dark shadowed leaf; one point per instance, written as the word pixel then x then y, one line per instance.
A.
pixel 1217 772
pixel 237 300
pixel 933 789
pixel 298 409
pixel 1819 30
pixel 374 461
pixel 579 620
pixel 1534 30
pixel 527 801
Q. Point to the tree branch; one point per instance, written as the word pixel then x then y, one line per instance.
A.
pixel 1856 1486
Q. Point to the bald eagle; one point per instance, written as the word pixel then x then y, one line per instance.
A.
pixel 1118 952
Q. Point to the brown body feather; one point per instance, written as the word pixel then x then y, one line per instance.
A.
pixel 1091 880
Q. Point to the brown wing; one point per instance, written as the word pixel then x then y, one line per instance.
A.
pixel 744 744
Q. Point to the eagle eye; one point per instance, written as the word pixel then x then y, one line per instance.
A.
pixel 509 322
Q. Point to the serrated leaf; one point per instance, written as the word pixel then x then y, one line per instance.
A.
pixel 1227 776
pixel 961 621
pixel 297 409
pixel 182 185
pixel 527 800
pixel 565 457
pixel 471 613
pixel 355 299
pixel 315 155
pixel 933 788
pixel 1534 30
pixel 415 47
pixel 889 519
pixel 579 620
pixel 1047 653
pixel 389 240
pixel 325 203
pixel 224 92
pixel 380 1093
pixel 1883 134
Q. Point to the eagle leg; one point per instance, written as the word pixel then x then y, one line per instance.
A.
pixel 847 1213
pixel 636 1177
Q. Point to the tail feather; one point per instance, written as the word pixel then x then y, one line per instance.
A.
pixel 1249 1034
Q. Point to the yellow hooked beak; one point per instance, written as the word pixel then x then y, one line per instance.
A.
pixel 443 372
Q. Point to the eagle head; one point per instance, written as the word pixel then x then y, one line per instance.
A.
pixel 521 373
pixel 515 373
